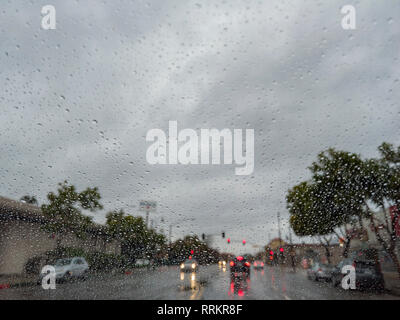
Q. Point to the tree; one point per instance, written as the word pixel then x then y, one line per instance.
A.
pixel 382 185
pixel 342 190
pixel 29 199
pixel 331 199
pixel 182 249
pixel 136 239
pixel 65 209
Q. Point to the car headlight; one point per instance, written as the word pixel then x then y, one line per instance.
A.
pixel 224 263
pixel 182 266
pixel 193 265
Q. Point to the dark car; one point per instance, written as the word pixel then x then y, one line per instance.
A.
pixel 258 264
pixel 239 266
pixel 368 273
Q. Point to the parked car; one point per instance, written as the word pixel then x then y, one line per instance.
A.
pixel 368 273
pixel 69 268
pixel 142 263
pixel 189 265
pixel 320 271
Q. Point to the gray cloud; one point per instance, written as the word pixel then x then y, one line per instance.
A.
pixel 76 102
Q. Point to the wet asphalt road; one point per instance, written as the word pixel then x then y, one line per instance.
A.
pixel 210 282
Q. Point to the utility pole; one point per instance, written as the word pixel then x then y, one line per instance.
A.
pixel 279 254
pixel 170 233
pixel 292 251
pixel 279 229
pixel 147 218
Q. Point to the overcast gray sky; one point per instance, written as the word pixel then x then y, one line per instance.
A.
pixel 76 102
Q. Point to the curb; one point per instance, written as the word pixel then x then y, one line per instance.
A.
pixel 23 285
pixel 395 292
pixel 4 286
pixel 17 285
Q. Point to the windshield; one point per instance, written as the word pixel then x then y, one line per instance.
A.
pixel 63 262
pixel 146 136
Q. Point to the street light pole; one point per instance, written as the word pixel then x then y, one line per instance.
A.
pixel 147 218
pixel 279 229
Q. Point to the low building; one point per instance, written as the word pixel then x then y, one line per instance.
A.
pixel 23 237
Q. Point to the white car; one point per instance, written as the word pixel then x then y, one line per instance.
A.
pixel 142 263
pixel 69 268
pixel 189 265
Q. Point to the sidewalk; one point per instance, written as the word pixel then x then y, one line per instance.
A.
pixel 392 282
pixel 15 281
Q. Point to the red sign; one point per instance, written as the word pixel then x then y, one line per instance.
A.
pixel 395 216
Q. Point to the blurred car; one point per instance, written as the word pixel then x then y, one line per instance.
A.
pixel 239 266
pixel 320 271
pixel 239 286
pixel 69 268
pixel 189 265
pixel 368 274
pixel 142 263
pixel 258 264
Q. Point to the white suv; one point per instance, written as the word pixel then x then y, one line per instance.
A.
pixel 68 268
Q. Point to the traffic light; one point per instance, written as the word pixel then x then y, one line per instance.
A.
pixel 244 242
pixel 203 236
pixel 223 234
pixel 229 240
pixel 191 251
pixel 281 250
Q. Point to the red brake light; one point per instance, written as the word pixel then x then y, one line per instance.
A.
pixel 255 263
pixel 240 258
pixel 247 264
pixel 262 264
pixel 231 263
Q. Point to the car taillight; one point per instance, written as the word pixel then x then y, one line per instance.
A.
pixel 262 264
pixel 247 264
pixel 255 264
pixel 231 263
